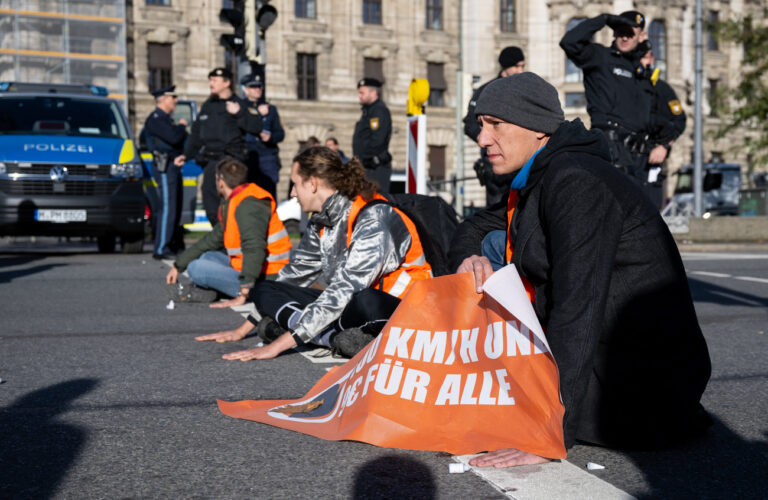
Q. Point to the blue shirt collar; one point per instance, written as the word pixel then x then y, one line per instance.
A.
pixel 522 176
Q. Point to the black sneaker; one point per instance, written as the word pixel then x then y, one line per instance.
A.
pixel 268 329
pixel 190 293
pixel 351 341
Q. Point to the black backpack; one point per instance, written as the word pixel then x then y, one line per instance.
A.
pixel 435 221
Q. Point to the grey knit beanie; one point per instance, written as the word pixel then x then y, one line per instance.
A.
pixel 524 99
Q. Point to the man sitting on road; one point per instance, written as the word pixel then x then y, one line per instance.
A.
pixel 256 243
pixel 602 270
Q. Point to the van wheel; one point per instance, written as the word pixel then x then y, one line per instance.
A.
pixel 106 243
pixel 132 243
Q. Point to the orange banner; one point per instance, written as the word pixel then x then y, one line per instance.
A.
pixel 451 371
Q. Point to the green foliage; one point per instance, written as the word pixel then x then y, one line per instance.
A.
pixel 746 105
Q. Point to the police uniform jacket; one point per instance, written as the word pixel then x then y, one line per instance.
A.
pixel 610 292
pixel 219 132
pixel 372 134
pixel 613 81
pixel 668 115
pixel 270 123
pixel 161 134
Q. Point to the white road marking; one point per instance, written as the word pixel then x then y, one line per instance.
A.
pixel 722 256
pixel 561 480
pixel 750 278
pixel 713 275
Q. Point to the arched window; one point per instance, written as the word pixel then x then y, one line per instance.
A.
pixel 657 34
pixel 572 72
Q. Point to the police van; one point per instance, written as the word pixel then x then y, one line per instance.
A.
pixel 68 166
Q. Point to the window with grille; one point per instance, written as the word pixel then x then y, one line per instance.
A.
pixel 657 34
pixel 507 16
pixel 434 18
pixel 159 2
pixel 160 65
pixel 713 97
pixel 373 68
pixel 437 163
pixel 437 84
pixel 306 76
pixel 711 39
pixel 372 11
pixel 306 8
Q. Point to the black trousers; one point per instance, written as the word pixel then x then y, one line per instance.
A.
pixel 211 200
pixel 380 175
pixel 368 310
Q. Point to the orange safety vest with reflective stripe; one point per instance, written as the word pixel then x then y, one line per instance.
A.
pixel 415 267
pixel 278 243
pixel 511 206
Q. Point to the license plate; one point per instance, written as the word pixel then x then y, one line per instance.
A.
pixel 60 215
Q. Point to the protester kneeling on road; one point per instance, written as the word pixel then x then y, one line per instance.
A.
pixel 602 270
pixel 367 252
pixel 249 231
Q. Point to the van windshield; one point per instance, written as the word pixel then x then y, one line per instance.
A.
pixel 53 115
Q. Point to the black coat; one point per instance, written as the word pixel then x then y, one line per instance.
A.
pixel 217 132
pixel 610 291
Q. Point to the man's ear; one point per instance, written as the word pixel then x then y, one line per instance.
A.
pixel 642 36
pixel 541 135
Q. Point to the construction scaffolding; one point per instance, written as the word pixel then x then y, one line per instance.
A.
pixel 64 41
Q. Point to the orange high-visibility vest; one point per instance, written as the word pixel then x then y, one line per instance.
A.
pixel 278 243
pixel 415 267
pixel 511 206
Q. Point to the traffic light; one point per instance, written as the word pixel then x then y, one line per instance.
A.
pixel 236 17
pixel 265 14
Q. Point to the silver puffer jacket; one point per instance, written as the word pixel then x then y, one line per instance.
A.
pixel 379 243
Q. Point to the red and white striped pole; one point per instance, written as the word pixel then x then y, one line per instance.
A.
pixel 416 149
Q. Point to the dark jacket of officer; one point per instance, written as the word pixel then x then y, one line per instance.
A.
pixel 218 132
pixel 161 134
pixel 668 117
pixel 613 83
pixel 372 134
pixel 270 123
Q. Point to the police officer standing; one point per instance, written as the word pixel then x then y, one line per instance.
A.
pixel 667 124
pixel 512 61
pixel 219 131
pixel 263 152
pixel 619 99
pixel 372 133
pixel 165 140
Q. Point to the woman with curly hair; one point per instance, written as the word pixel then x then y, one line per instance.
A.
pixel 365 252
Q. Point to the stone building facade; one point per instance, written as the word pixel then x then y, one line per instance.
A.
pixel 318 50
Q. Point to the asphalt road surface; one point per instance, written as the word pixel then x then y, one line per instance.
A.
pixel 106 395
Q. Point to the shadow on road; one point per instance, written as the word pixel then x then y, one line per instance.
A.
pixel 716 294
pixel 8 276
pixel 719 465
pixel 36 449
pixel 394 476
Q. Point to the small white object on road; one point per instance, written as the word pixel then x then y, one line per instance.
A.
pixel 170 306
pixel 458 468
pixel 594 466
pixel 2 381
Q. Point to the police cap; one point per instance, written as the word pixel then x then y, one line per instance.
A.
pixel 222 72
pixel 171 91
pixel 252 80
pixel 634 18
pixel 369 82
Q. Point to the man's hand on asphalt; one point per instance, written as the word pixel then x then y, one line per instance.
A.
pixel 269 351
pixel 233 108
pixel 179 160
pixel 480 267
pixel 172 276
pixel 238 333
pixel 507 457
pixel 657 155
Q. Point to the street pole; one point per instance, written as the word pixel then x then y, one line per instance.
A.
pixel 459 166
pixel 697 127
